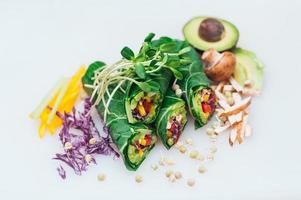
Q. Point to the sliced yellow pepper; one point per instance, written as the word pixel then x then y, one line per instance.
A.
pixel 141 110
pixel 143 142
pixel 66 104
pixel 140 153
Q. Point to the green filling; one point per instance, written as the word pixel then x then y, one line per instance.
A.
pixel 197 105
pixel 153 97
pixel 133 154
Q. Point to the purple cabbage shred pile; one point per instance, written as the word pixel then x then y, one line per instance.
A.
pixel 81 141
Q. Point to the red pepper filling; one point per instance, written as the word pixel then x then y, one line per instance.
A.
pixel 143 108
pixel 208 101
pixel 143 143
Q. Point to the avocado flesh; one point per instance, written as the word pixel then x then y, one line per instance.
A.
pixel 133 156
pixel 248 67
pixel 132 104
pixel 191 34
pixel 197 104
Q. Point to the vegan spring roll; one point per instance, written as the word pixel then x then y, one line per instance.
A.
pixel 171 119
pixel 144 106
pixel 134 141
pixel 199 96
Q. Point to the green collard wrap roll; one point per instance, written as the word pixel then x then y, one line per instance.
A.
pixel 134 141
pixel 157 59
pixel 171 119
pixel 144 106
pixel 201 100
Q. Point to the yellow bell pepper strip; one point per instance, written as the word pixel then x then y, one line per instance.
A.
pixel 60 100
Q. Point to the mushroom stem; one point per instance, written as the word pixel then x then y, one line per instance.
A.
pixel 211 57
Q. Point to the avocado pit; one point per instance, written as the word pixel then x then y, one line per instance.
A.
pixel 211 30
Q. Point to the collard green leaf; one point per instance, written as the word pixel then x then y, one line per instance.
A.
pixel 170 105
pixel 87 78
pixel 117 123
pixel 193 80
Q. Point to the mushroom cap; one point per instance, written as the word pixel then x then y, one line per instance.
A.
pixel 221 69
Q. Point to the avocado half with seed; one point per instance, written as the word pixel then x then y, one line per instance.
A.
pixel 208 32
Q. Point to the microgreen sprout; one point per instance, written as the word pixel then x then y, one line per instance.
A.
pixel 152 57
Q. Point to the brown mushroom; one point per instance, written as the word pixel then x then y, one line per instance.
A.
pixel 219 66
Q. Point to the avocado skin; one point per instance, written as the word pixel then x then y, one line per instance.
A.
pixel 191 34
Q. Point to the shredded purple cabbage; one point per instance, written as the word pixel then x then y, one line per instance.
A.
pixel 82 141
pixel 61 172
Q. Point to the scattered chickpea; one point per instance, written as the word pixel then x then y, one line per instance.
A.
pixel 179 92
pixel 175 87
pixel 168 173
pixel 178 175
pixel 193 154
pixel 213 136
pixel 101 177
pixel 154 167
pixel 200 157
pixel 202 169
pixel 169 162
pixel 189 141
pixel 68 146
pixel 88 158
pixel 190 182
pixel 210 131
pixel 92 141
pixel 161 162
pixel 138 179
pixel 172 178
pixel 183 149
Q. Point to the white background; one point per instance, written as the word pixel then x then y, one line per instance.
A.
pixel 43 40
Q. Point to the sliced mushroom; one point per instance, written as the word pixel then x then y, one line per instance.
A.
pixel 219 66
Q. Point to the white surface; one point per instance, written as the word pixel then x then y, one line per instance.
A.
pixel 42 40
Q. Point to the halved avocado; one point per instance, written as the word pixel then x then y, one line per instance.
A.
pixel 207 32
pixel 248 67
